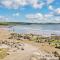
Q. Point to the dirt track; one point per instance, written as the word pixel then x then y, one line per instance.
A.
pixel 22 54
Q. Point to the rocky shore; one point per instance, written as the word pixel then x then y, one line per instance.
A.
pixel 23 47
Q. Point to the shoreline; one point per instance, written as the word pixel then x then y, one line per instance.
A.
pixel 46 33
pixel 5 34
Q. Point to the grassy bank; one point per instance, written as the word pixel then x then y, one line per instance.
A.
pixel 8 23
pixel 25 23
pixel 15 23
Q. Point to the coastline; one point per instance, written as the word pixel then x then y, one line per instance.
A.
pixel 5 34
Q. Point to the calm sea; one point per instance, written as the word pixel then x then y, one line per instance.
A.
pixel 45 29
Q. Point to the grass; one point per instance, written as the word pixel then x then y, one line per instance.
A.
pixel 55 43
pixel 3 53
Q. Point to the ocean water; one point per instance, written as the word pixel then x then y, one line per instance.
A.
pixel 45 29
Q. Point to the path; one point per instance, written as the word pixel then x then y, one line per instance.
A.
pixel 22 54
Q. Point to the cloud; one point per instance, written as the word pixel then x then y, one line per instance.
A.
pixel 57 10
pixel 6 3
pixel 34 16
pixel 15 4
pixel 50 1
pixel 38 5
pixel 9 4
pixel 50 7
pixel 18 3
pixel 16 14
pixel 3 18
pixel 48 15
pixel 38 16
pixel 43 18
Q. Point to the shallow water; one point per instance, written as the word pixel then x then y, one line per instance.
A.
pixel 45 29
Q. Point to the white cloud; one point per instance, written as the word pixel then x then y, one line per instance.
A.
pixel 57 10
pixel 43 18
pixel 0 17
pixel 38 16
pixel 7 3
pixel 50 7
pixel 38 5
pixel 50 1
pixel 3 18
pixel 48 15
pixel 17 3
pixel 16 14
pixel 21 2
pixel 34 16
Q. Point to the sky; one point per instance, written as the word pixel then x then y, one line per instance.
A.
pixel 35 11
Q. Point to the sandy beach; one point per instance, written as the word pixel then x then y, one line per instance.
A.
pixel 29 48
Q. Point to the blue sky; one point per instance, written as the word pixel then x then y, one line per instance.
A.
pixel 39 11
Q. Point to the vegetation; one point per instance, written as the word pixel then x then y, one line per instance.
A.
pixel 24 23
pixel 51 40
pixel 8 23
pixel 3 53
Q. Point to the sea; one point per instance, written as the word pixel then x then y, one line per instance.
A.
pixel 41 29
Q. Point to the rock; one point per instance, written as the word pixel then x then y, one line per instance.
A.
pixel 22 48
